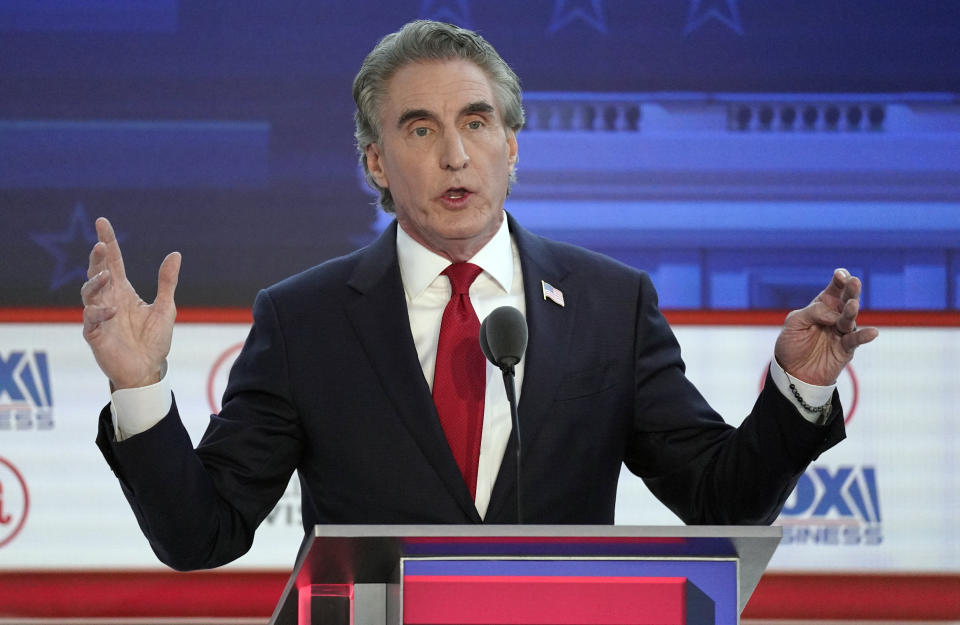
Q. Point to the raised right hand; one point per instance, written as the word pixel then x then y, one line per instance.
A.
pixel 130 339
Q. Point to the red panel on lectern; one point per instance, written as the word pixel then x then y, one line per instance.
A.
pixel 529 600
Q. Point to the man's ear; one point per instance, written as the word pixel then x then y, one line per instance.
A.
pixel 375 165
pixel 512 149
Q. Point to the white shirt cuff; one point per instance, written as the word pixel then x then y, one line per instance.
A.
pixel 812 394
pixel 136 410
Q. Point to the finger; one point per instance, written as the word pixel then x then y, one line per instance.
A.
pixel 92 287
pixel 93 316
pixel 168 278
pixel 807 316
pixel 839 280
pixel 114 258
pixel 851 290
pixel 847 322
pixel 834 291
pixel 820 313
pixel 858 337
pixel 97 262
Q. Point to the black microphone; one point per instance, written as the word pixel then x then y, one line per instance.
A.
pixel 503 339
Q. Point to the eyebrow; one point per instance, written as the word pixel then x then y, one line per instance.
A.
pixel 411 114
pixel 469 109
pixel 477 107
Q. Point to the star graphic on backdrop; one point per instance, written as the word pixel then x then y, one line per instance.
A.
pixel 702 11
pixel 451 11
pixel 566 11
pixel 70 248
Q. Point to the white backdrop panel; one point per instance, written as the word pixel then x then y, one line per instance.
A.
pixel 888 498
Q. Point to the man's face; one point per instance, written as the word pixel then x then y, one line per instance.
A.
pixel 445 155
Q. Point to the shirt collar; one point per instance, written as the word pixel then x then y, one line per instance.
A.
pixel 419 267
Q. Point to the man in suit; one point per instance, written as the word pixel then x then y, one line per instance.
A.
pixel 346 374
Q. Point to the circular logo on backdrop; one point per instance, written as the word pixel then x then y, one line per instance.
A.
pixel 847 387
pixel 219 373
pixel 14 501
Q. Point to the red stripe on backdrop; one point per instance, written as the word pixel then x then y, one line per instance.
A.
pixel 919 318
pixel 895 598
pixel 75 315
pixel 130 594
pixel 880 318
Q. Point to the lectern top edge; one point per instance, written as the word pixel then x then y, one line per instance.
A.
pixel 547 531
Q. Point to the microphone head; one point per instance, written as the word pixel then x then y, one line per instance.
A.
pixel 503 337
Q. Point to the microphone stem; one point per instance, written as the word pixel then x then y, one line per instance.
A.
pixel 508 383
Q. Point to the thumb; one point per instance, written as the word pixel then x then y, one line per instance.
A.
pixel 167 279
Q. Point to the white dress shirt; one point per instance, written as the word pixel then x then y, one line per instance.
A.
pixel 427 293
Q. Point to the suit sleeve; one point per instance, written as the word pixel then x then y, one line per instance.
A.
pixel 200 508
pixel 703 469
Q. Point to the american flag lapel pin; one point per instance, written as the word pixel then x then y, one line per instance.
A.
pixel 552 293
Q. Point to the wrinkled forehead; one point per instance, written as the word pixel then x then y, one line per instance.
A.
pixel 435 84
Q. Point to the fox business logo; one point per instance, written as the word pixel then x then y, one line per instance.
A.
pixel 834 508
pixel 26 399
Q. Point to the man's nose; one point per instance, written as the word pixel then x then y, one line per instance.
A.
pixel 454 154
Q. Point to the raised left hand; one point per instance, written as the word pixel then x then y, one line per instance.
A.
pixel 818 340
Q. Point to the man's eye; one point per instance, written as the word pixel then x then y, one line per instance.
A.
pixel 475 125
pixel 421 131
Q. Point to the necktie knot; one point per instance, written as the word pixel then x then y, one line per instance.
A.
pixel 461 276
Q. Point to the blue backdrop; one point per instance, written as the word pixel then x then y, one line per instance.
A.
pixel 737 149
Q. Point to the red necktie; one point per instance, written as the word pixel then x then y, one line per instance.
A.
pixel 459 380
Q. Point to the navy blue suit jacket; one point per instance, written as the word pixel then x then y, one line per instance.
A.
pixel 329 384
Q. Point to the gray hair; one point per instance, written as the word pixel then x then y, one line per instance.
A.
pixel 425 40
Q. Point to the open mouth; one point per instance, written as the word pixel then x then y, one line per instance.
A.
pixel 456 193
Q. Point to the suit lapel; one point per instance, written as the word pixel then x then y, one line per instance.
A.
pixel 550 329
pixel 386 339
